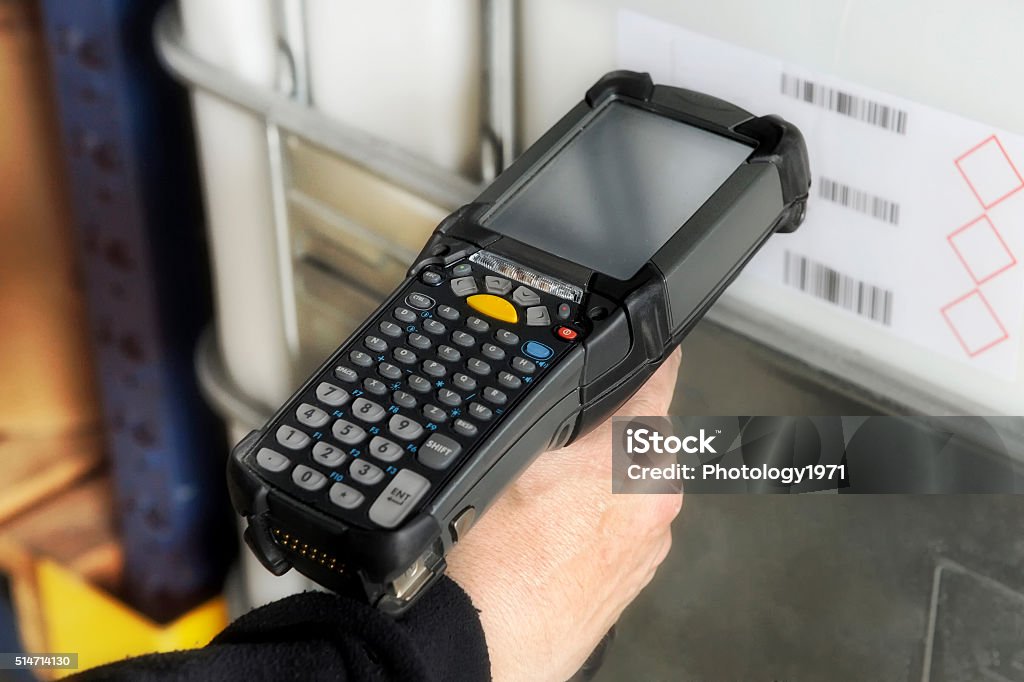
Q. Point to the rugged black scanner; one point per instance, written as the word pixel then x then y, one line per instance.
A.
pixel 530 316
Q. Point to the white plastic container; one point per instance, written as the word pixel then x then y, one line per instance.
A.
pixel 904 280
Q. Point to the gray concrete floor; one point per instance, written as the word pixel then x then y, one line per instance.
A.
pixel 822 587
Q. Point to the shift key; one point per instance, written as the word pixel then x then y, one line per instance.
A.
pixel 399 498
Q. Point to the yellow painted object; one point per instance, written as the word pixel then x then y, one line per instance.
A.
pixel 493 306
pixel 80 618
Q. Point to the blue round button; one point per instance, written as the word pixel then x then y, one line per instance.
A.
pixel 537 350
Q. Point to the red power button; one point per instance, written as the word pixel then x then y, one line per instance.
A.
pixel 566 334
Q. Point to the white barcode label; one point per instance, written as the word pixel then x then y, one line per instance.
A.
pixel 857 296
pixel 947 285
pixel 858 200
pixel 869 111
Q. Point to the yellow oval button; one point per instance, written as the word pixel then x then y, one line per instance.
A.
pixel 493 306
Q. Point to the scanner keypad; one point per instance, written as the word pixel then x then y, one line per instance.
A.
pixel 409 398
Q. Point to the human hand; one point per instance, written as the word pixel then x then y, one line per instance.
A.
pixel 557 558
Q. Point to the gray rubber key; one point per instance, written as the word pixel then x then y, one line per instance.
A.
pixel 477 325
pixel 506 337
pixel 348 433
pixel 509 380
pixel 537 316
pixel 523 365
pixel 495 396
pixel 419 301
pixel 497 285
pixel 345 496
pixel 292 438
pixel 405 315
pixel 366 473
pixel 480 411
pixel 465 428
pixel 434 327
pixel 438 452
pixel 389 371
pixel 403 399
pixel 375 386
pixel 525 297
pixel 449 397
pixel 332 395
pixel 464 286
pixel 360 358
pixel 390 329
pixel 346 373
pixel 271 460
pixel 308 479
pixel 463 339
pixel 328 455
pixel 447 312
pixel 405 428
pixel 399 498
pixel 493 352
pixel 478 366
pixel 384 449
pixel 448 353
pixel 419 384
pixel 367 410
pixel 435 413
pixel 375 343
pixel 433 368
pixel 311 416
pixel 419 341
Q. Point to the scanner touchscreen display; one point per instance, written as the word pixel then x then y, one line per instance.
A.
pixel 618 190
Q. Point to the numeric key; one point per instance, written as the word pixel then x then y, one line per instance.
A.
pixel 329 394
pixel 292 439
pixel 311 416
pixel 328 455
pixel 348 433
pixel 366 473
pixel 367 410
pixel 385 450
pixel 308 479
pixel 405 428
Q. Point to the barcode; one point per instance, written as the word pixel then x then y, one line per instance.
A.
pixel 859 200
pixel 881 115
pixel 851 294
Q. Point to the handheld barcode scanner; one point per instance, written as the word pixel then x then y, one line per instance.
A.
pixel 528 318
